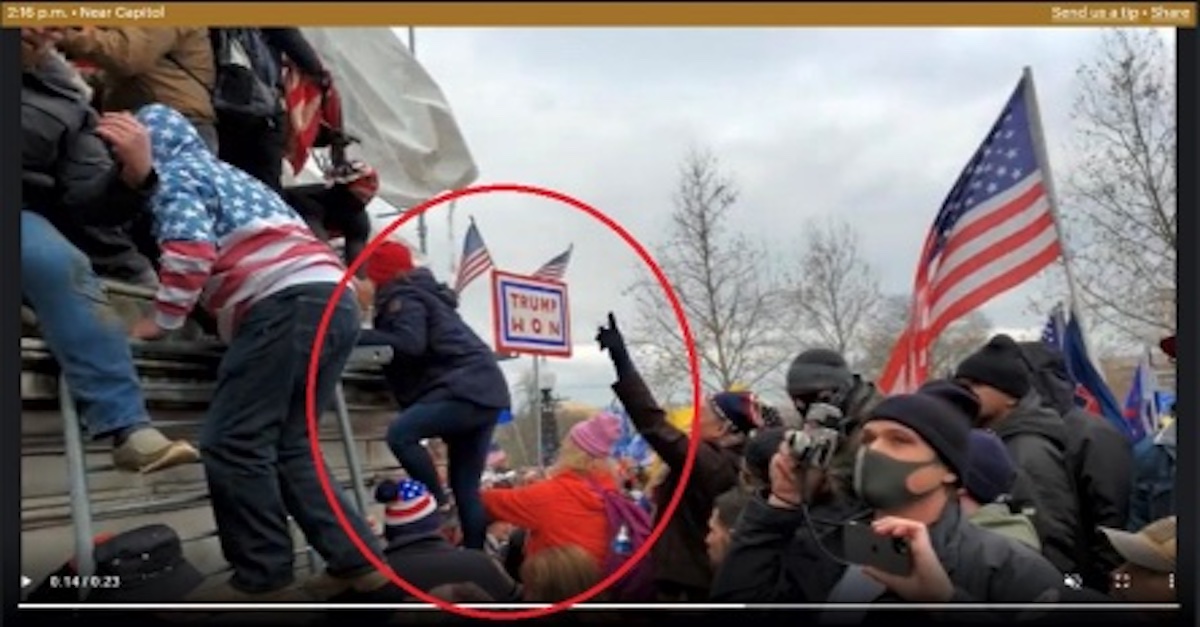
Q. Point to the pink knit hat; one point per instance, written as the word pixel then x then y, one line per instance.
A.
pixel 597 435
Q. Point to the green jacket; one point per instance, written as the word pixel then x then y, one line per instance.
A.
pixel 999 518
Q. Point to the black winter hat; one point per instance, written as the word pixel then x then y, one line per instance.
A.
pixel 999 364
pixel 816 370
pixel 942 413
pixel 991 472
pixel 761 448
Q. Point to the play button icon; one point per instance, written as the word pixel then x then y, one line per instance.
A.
pixel 25 581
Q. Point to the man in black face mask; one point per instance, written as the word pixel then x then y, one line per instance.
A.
pixel 913 451
pixel 913 454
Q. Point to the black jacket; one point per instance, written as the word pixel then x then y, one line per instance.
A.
pixel 985 567
pixel 775 557
pixel 437 355
pixel 1100 459
pixel 68 173
pixel 290 43
pixel 858 406
pixel 1036 439
pixel 428 561
pixel 680 555
pixel 1153 479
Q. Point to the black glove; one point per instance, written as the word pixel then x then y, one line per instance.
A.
pixel 610 339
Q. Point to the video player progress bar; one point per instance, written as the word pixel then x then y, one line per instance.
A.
pixel 599 606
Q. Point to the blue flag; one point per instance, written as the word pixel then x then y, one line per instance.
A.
pixel 631 445
pixel 1165 402
pixel 1091 392
pixel 1140 413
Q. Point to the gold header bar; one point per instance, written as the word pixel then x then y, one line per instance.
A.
pixel 1178 14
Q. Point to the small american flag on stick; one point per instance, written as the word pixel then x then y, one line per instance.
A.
pixel 476 260
pixel 554 269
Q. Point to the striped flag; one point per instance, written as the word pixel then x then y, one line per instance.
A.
pixel 476 260
pixel 554 269
pixel 995 230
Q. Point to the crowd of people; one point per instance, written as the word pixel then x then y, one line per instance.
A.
pixel 996 487
pixel 154 156
pixel 1002 490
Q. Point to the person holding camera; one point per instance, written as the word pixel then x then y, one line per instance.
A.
pixel 682 569
pixel 821 377
pixel 918 546
pixel 834 402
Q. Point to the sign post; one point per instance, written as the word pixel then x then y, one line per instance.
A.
pixel 532 317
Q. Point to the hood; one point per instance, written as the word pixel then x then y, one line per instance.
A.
pixel 1031 416
pixel 1049 376
pixel 999 518
pixel 422 279
pixel 55 72
pixel 172 136
pixel 861 401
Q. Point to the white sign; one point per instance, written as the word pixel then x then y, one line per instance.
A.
pixel 531 315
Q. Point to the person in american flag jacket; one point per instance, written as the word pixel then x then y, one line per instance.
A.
pixel 232 245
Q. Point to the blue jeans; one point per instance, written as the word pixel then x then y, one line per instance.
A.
pixel 86 338
pixel 466 429
pixel 255 448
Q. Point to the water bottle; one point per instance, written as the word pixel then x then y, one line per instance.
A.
pixel 623 544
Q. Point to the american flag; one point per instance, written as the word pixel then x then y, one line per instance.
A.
pixel 476 260
pixel 994 231
pixel 413 502
pixel 554 269
pixel 227 245
pixel 1052 334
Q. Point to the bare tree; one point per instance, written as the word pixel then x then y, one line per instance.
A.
pixel 963 337
pixel 1121 194
pixel 724 285
pixel 837 290
pixel 520 437
pixel 959 340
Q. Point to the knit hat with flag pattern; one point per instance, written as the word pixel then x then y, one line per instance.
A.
pixel 408 508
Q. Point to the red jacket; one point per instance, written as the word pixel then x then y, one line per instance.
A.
pixel 562 510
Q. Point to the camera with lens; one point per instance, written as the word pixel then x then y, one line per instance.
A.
pixel 813 446
pixel 824 415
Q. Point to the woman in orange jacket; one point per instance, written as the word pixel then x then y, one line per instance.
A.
pixel 567 508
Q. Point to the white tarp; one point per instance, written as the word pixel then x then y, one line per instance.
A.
pixel 399 113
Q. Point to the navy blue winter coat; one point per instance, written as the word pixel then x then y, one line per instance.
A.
pixel 437 356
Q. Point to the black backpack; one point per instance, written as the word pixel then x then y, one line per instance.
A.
pixel 248 74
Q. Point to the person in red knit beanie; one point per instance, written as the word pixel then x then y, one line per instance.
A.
pixel 446 381
pixel 389 261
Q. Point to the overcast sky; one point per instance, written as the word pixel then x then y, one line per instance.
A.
pixel 871 124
